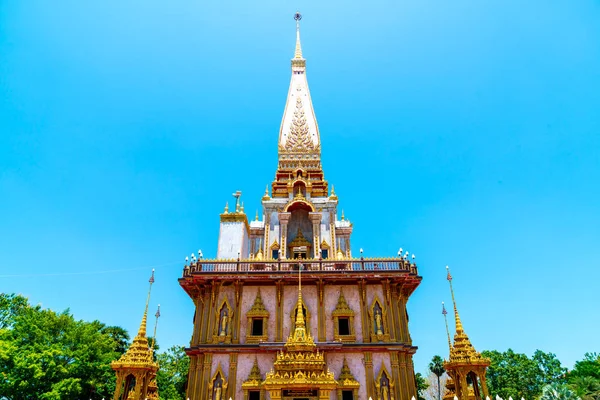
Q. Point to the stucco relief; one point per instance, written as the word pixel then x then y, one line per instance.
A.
pixel 373 290
pixel 245 362
pixel 268 295
pixel 352 296
pixel 355 363
pixel 378 359
pixel 224 360
pixel 290 298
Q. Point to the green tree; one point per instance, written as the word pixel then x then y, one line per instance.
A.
pixel 437 367
pixel 50 356
pixel 172 375
pixel 585 387
pixel 557 391
pixel 421 385
pixel 589 366
pixel 515 375
pixel 119 336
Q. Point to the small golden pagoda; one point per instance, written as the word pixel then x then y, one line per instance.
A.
pixel 299 370
pixel 465 367
pixel 136 369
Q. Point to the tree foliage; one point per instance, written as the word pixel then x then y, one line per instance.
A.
pixel 516 375
pixel 437 367
pixel 172 375
pixel 50 356
pixel 557 391
pixel 421 385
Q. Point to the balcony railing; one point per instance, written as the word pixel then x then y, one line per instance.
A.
pixel 348 265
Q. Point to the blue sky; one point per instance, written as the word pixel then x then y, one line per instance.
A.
pixel 466 132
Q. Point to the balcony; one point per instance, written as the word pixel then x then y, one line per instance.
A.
pixel 372 265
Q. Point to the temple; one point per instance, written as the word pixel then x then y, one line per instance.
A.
pixel 136 369
pixel 465 366
pixel 285 310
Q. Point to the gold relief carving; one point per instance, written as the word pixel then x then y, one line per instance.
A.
pixel 254 379
pixel 343 310
pixel 378 321
pixel 257 311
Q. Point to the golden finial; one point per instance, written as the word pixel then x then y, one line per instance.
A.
pixel 237 196
pixel 226 208
pixel 343 218
pixel 444 313
pixel 142 330
pixel 298 51
pixel 459 327
pixel 256 218
pixel 242 208
pixel 155 325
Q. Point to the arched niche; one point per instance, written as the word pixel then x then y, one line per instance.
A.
pixel 379 330
pixel 384 386
pixel 217 388
pixel 223 323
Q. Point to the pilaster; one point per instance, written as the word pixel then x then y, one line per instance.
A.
pixel 315 218
pixel 204 314
pixel 279 312
pixel 396 315
pixel 364 313
pixel 202 394
pixel 404 394
pixel 284 218
pixel 232 378
pixel 214 296
pixel 385 286
pixel 321 312
pixel 396 374
pixel 239 289
pixel 369 379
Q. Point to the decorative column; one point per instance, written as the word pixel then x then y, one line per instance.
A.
pixel 279 312
pixel 402 315
pixel 369 374
pixel 214 295
pixel 395 313
pixel 266 239
pixel 284 218
pixel 385 287
pixel 202 394
pixel 204 314
pixel 232 381
pixel 315 218
pixel 396 374
pixel 404 377
pixel 364 314
pixel 321 330
pixel 239 288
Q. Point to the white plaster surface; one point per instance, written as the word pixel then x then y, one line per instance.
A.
pixel 290 299
pixel 351 293
pixel 232 239
pixel 268 295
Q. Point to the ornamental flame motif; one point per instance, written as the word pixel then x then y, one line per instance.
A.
pixel 299 139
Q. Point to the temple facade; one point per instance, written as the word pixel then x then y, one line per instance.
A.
pixel 340 334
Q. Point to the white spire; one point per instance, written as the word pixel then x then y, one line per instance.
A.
pixel 299 132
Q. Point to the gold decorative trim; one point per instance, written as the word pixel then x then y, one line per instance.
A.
pixel 343 310
pixel 257 311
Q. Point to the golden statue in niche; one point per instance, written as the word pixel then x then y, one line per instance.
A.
pixel 218 391
pixel 385 391
pixel 378 324
pixel 224 320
